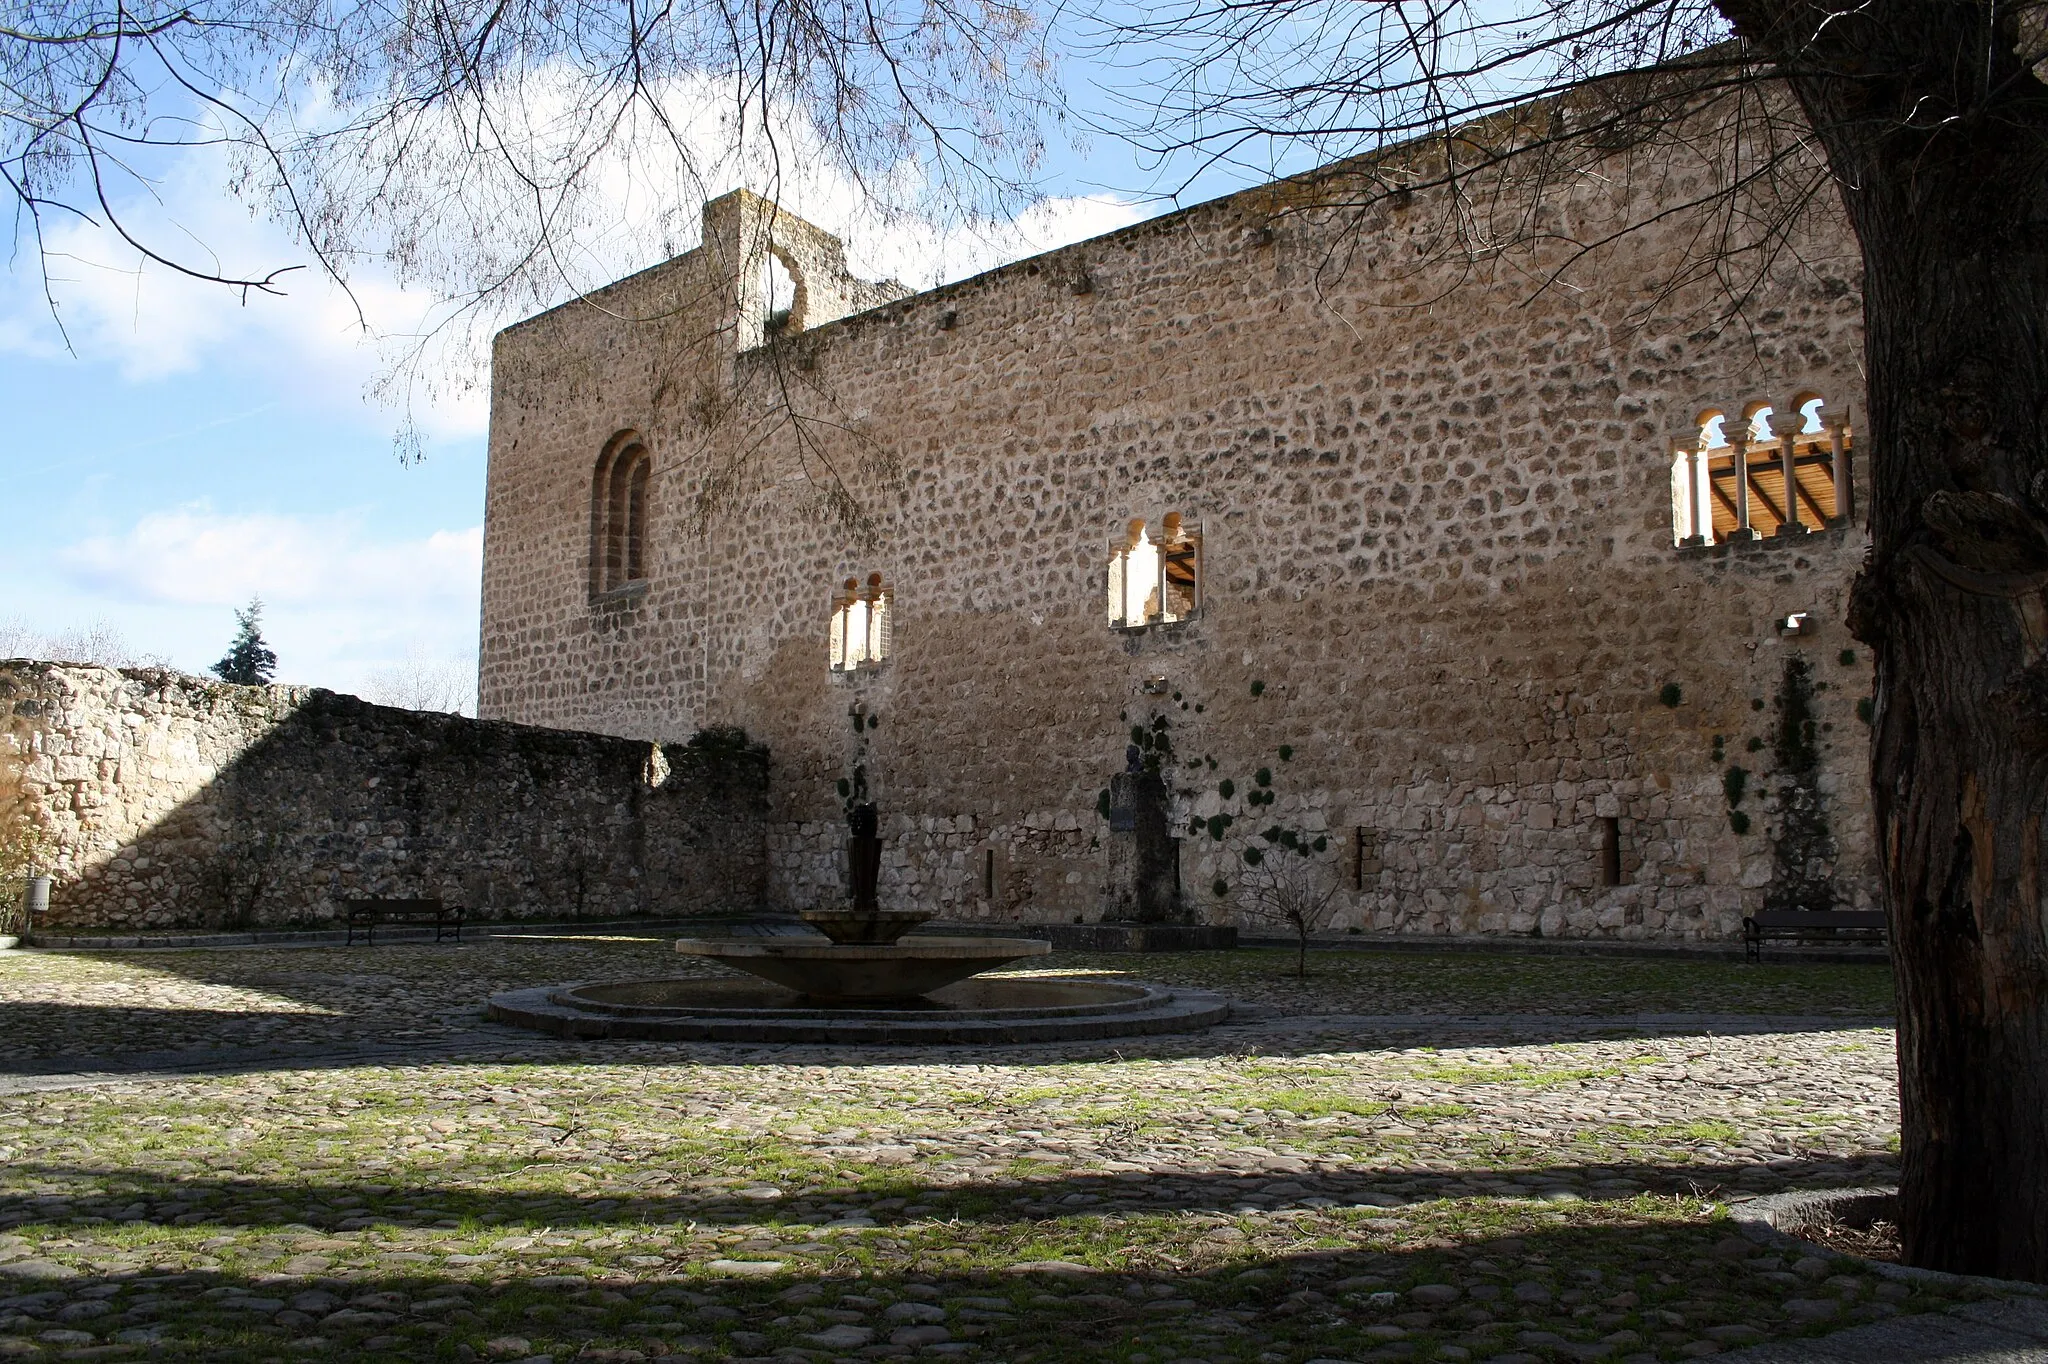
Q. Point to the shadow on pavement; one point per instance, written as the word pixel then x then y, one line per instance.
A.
pixel 1626 1287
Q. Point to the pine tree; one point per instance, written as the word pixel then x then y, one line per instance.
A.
pixel 249 661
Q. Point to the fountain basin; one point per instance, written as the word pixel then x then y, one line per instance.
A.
pixel 982 997
pixel 988 1011
pixel 864 971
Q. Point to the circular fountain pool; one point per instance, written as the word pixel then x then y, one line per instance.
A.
pixel 984 1009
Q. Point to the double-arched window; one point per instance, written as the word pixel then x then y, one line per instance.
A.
pixel 860 624
pixel 1155 580
pixel 619 493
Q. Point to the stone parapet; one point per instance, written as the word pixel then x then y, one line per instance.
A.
pixel 169 802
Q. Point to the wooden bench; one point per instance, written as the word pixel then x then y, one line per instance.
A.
pixel 1811 925
pixel 369 915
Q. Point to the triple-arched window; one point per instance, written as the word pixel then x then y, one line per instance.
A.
pixel 619 494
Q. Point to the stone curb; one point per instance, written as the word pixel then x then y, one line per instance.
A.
pixel 1774 1220
pixel 2013 1331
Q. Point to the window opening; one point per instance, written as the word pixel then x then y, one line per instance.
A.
pixel 1155 580
pixel 1760 425
pixel 620 494
pixel 1610 851
pixel 1762 474
pixel 860 624
pixel 779 285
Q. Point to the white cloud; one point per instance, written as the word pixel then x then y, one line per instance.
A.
pixel 339 603
pixel 924 254
pixel 192 555
pixel 313 346
pixel 634 205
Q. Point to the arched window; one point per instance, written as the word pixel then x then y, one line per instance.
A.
pixel 860 624
pixel 620 492
pixel 1155 580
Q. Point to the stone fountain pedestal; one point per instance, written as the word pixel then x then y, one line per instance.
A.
pixel 867 956
pixel 830 972
pixel 860 990
pixel 864 978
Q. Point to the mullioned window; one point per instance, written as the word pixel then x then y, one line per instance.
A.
pixel 1155 579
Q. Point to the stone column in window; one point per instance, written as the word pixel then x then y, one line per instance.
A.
pixel 1688 514
pixel 1785 426
pixel 877 619
pixel 1144 581
pixel 1179 570
pixel 838 641
pixel 1116 587
pixel 1703 493
pixel 1738 448
pixel 1128 577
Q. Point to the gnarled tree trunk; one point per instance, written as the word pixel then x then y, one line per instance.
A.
pixel 1938 136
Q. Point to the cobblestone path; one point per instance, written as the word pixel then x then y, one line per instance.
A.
pixel 1404 1158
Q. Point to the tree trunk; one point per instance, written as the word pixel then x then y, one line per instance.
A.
pixel 1938 137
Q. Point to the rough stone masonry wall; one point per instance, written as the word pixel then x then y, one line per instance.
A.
pixel 1435 506
pixel 172 802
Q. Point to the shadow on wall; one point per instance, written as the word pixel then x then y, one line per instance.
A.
pixel 177 803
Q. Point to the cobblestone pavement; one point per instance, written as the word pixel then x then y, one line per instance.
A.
pixel 1542 1179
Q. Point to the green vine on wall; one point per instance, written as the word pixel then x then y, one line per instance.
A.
pixel 1244 799
pixel 1802 844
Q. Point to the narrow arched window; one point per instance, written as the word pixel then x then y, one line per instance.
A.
pixel 620 496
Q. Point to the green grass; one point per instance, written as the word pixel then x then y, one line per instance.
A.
pixel 1309 1103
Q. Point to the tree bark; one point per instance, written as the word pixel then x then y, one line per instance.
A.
pixel 1937 133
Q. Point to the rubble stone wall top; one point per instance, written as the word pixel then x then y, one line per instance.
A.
pixel 172 802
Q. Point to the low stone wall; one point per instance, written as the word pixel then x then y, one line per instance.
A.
pixel 167 801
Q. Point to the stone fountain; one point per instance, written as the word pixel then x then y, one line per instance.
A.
pixel 866 957
pixel 862 976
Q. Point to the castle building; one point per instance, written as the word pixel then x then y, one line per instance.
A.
pixel 1478 590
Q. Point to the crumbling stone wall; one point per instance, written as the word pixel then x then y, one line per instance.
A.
pixel 173 802
pixel 1435 504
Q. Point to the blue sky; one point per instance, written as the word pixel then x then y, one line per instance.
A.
pixel 190 448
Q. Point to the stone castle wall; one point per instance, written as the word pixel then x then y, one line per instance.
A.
pixel 1438 558
pixel 172 802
